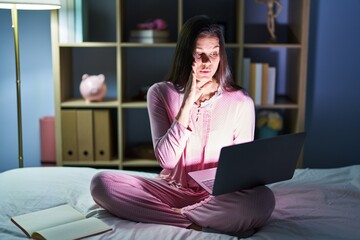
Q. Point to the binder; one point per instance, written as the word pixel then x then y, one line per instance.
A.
pixel 102 135
pixel 69 135
pixel 85 135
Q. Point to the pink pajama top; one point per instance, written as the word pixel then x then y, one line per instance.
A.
pixel 225 119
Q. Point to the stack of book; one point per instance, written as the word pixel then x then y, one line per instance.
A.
pixel 73 21
pixel 149 36
pixel 259 80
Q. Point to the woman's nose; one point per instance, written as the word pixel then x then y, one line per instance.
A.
pixel 205 58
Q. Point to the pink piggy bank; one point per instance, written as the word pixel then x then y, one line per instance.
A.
pixel 93 87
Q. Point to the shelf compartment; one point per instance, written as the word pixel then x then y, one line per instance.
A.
pixel 225 12
pixel 290 122
pixel 258 34
pixel 102 20
pixel 79 60
pixel 137 77
pixel 287 25
pixel 136 134
pixel 287 64
pixel 148 11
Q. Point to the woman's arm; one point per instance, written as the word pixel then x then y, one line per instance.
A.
pixel 168 135
pixel 244 132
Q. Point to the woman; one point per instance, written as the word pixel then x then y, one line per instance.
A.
pixel 193 114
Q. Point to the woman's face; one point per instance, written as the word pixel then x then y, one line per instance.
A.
pixel 207 58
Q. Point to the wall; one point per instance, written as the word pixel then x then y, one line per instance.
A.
pixel 36 85
pixel 333 101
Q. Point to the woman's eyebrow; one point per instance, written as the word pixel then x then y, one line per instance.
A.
pixel 199 48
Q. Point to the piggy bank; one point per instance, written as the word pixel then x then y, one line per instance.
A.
pixel 93 87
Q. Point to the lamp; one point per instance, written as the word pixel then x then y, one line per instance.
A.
pixel 14 5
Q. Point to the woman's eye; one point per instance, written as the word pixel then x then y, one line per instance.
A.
pixel 197 55
pixel 214 54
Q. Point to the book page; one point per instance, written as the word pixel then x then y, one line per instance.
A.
pixel 35 221
pixel 74 230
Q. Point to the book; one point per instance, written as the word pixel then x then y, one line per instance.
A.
pixel 60 222
pixel 255 82
pixel 246 74
pixel 264 83
pixel 81 21
pixel 148 40
pixel 271 85
pixel 71 20
pixel 63 22
pixel 149 33
pixel 149 36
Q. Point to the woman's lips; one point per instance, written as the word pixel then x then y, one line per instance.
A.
pixel 205 71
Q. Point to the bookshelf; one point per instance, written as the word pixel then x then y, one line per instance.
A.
pixel 131 67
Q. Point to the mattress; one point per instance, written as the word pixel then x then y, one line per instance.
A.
pixel 314 204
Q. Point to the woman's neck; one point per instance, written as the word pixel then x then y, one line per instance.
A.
pixel 209 94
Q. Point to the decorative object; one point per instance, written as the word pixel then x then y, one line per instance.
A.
pixel 157 24
pixel 269 124
pixel 93 87
pixel 153 31
pixel 14 5
pixel 274 9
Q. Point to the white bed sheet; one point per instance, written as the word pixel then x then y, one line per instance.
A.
pixel 315 204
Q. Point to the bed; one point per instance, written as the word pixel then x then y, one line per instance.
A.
pixel 314 204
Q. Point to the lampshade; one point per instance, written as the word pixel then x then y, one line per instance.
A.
pixel 30 4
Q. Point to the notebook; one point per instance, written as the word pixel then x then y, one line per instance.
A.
pixel 251 164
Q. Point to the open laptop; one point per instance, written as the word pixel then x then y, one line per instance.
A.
pixel 251 164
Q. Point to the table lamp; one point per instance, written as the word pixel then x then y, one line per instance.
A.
pixel 14 6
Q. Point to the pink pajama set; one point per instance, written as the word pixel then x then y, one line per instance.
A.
pixel 227 118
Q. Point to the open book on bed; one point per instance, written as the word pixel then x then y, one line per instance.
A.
pixel 60 222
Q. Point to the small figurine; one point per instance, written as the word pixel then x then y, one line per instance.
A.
pixel 274 9
pixel 93 88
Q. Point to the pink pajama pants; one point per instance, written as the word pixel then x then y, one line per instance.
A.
pixel 153 201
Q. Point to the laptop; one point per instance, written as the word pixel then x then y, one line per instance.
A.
pixel 251 164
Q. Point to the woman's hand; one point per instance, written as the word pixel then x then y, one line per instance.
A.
pixel 193 91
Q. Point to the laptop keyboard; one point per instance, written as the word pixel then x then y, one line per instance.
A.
pixel 209 183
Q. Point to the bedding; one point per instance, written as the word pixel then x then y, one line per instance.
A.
pixel 314 204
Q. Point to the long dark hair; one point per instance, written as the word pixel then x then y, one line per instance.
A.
pixel 199 26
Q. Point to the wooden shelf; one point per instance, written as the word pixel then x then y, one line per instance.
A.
pixel 140 163
pixel 89 44
pixel 80 103
pixel 130 66
pixel 114 163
